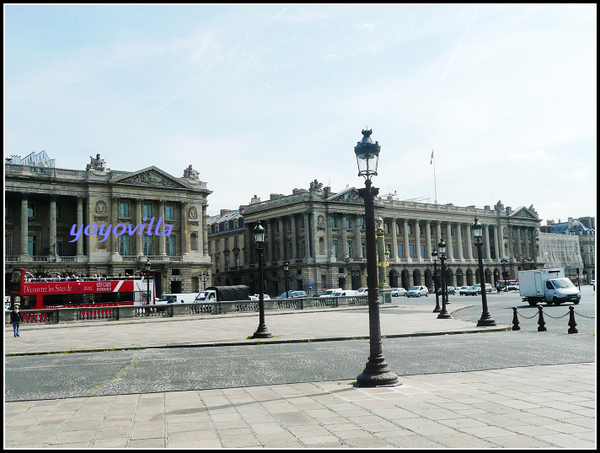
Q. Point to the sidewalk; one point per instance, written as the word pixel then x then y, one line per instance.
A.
pixel 528 407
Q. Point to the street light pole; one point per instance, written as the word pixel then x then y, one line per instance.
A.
pixel 148 266
pixel 376 372
pixel 434 257
pixel 259 238
pixel 444 312
pixel 286 270
pixel 486 319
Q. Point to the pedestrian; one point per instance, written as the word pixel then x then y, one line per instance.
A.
pixel 16 318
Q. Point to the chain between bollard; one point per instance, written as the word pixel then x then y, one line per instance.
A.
pixel 542 323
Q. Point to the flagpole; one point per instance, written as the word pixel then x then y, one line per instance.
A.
pixel 434 181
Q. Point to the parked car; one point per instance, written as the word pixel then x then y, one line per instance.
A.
pixel 463 290
pixel 417 291
pixel 398 292
pixel 292 294
pixel 363 291
pixel 450 289
pixel 513 287
pixel 472 291
pixel 257 297
pixel 329 292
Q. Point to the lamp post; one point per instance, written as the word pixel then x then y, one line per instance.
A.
pixel 486 319
pixel 148 265
pixel 259 239
pixel 204 275
pixel 376 372
pixel 286 270
pixel 434 257
pixel 504 262
pixel 442 251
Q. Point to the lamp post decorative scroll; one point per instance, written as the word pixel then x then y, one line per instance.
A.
pixel 376 372
pixel 442 253
pixel 434 257
pixel 486 319
pixel 259 239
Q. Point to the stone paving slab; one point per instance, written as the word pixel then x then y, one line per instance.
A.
pixel 426 411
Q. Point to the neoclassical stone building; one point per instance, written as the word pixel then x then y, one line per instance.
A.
pixel 104 221
pixel 321 235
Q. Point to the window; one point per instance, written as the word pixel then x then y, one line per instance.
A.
pixel 124 244
pixel 148 249
pixel 170 212
pixel 171 246
pixel 32 244
pixel 31 209
pixel 333 222
pixel 349 245
pixel 400 251
pixel 124 209
pixel 334 249
pixel 411 249
pixel 347 222
pixel 59 245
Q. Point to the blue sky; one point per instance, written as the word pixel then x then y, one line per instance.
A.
pixel 265 98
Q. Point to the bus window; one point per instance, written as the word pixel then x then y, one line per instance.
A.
pixel 125 297
pixel 71 299
pixel 106 298
pixel 88 299
pixel 53 299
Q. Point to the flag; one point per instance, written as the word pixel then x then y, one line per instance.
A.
pixel 431 161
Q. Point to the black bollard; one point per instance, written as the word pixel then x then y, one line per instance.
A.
pixel 541 322
pixel 572 323
pixel 515 320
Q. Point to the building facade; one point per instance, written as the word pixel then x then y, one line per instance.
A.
pixel 321 235
pixel 101 221
pixel 227 246
pixel 584 229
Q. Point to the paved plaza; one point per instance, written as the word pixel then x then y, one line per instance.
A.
pixel 550 406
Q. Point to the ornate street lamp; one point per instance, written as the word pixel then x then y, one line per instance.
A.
pixel 376 372
pixel 504 262
pixel 486 319
pixel 442 251
pixel 286 270
pixel 148 265
pixel 259 239
pixel 434 257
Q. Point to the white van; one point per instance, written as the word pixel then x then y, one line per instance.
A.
pixel 346 292
pixel 176 298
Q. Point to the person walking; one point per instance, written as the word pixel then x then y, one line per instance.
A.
pixel 16 318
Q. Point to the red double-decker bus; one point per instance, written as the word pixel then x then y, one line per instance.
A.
pixel 36 294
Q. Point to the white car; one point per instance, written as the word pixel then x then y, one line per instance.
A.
pixel 417 291
pixel 257 297
pixel 398 292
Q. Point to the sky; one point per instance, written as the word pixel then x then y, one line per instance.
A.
pixel 264 98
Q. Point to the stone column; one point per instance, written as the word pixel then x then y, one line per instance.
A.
pixel 470 256
pixel 307 239
pixel 183 229
pixel 114 220
pixel 344 238
pixel 406 242
pixel 80 223
pixel 329 236
pixel 24 230
pixel 486 241
pixel 162 241
pixel 428 240
pixel 394 240
pixel 53 252
pixel 459 243
pixel 281 256
pixel 449 252
pixel 139 244
pixel 294 254
pixel 358 238
pixel 418 240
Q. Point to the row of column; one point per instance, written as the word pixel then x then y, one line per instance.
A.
pixel 139 246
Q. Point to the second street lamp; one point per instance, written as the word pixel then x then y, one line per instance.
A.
pixel 434 257
pixel 486 319
pixel 259 239
pixel 444 312
pixel 376 372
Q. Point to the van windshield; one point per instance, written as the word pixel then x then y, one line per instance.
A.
pixel 562 283
pixel 166 298
pixel 202 295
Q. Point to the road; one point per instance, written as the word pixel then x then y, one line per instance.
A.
pixel 157 370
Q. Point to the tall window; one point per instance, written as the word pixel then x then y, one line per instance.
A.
pixel 147 210
pixel 170 212
pixel 400 251
pixel 124 209
pixel 349 245
pixel 334 249
pixel 148 249
pixel 32 244
pixel 333 222
pixel 171 246
pixel 31 209
pixel 124 244
pixel 59 245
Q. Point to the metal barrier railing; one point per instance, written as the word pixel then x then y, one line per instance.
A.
pixel 542 322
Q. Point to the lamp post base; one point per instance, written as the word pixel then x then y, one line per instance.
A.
pixel 377 374
pixel 444 315
pixel 486 321
pixel 262 332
